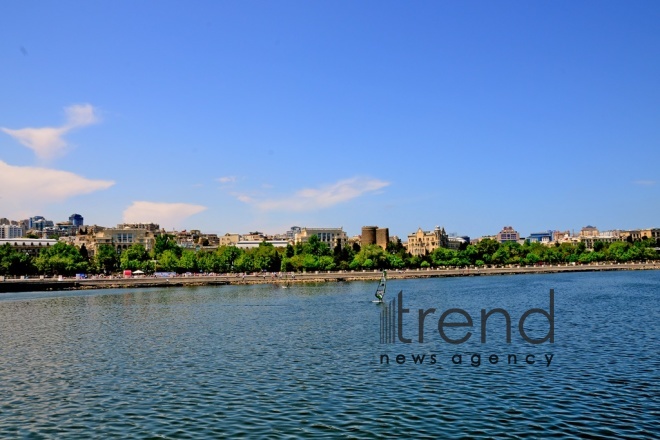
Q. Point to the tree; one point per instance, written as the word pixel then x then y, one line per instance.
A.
pixel 166 242
pixel 266 257
pixel 326 263
pixel 244 263
pixel 316 247
pixel 188 261
pixel 443 256
pixel 83 252
pixel 134 258
pixel 395 247
pixel 227 256
pixel 14 262
pixel 395 262
pixel 310 262
pixel 208 262
pixel 105 259
pixel 487 247
pixel 61 259
pixel 371 256
pixel 168 261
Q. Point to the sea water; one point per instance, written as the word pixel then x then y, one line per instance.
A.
pixel 307 361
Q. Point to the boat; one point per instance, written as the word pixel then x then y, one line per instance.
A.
pixel 380 290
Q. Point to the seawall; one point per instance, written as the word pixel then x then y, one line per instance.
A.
pixel 48 284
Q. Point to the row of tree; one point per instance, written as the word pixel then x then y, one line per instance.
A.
pixel 167 256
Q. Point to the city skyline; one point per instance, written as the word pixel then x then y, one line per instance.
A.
pixel 506 229
pixel 231 117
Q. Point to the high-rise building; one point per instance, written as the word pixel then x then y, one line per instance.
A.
pixel 11 231
pixel 76 220
pixel 39 223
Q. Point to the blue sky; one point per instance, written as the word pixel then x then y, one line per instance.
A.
pixel 240 116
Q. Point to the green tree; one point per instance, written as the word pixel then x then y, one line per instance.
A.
pixel 266 258
pixel 134 258
pixel 61 259
pixel 395 262
pixel 188 261
pixel 14 262
pixel 227 257
pixel 244 263
pixel 326 262
pixel 443 256
pixel 310 262
pixel 314 246
pixel 486 248
pixel 208 262
pixel 166 242
pixel 168 261
pixel 617 251
pixel 371 256
pixel 105 259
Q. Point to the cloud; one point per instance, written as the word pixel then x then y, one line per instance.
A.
pixel 29 188
pixel 48 142
pixel 310 199
pixel 644 182
pixel 227 179
pixel 166 214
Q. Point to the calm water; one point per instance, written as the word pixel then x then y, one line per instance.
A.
pixel 262 361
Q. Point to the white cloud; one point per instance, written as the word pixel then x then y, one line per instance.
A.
pixel 48 142
pixel 644 182
pixel 168 215
pixel 227 179
pixel 25 189
pixel 310 199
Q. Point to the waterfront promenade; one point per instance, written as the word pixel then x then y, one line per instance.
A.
pixel 47 284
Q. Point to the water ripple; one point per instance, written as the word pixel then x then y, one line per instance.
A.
pixel 260 362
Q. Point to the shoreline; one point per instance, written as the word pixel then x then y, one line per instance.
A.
pixel 53 284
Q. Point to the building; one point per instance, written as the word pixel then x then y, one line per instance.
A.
pixel 589 231
pixel 31 246
pixel 333 237
pixel 603 237
pixel 152 227
pixel 291 233
pixel 250 244
pixel 229 239
pixel 545 238
pixel 423 242
pixel 63 229
pixel 375 235
pixel 10 231
pixel 254 236
pixel 210 240
pixel 76 220
pixel 641 234
pixel 123 238
pixel 508 234
pixel 457 243
pixel 39 223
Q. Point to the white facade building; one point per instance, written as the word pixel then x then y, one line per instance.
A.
pixel 11 231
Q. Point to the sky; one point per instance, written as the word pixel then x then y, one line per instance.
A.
pixel 238 116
